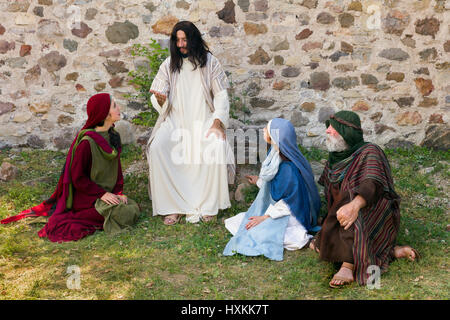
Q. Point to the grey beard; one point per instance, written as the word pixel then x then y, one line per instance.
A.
pixel 336 144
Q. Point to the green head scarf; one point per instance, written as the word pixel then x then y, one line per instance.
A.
pixel 348 125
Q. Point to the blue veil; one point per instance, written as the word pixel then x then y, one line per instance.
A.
pixel 283 133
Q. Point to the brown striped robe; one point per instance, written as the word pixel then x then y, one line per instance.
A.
pixel 375 230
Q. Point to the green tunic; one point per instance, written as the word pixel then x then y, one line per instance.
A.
pixel 104 173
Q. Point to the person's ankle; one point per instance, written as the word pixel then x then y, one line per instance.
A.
pixel 347 265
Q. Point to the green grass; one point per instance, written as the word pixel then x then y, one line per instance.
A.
pixel 152 261
pixel 145 118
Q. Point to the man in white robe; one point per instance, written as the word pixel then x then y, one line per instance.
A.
pixel 187 151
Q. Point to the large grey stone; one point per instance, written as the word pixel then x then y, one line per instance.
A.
pixel 33 141
pixel 428 54
pixel 122 32
pixel 90 14
pixel 290 72
pixel 256 102
pixel 221 31
pixel 346 20
pixel 396 54
pixel 320 81
pixel 53 61
pixel 298 120
pixel 368 79
pixel 437 137
pixel 337 55
pixel 325 18
pixel 278 45
pixel 126 131
pixel 345 83
pixel 404 101
pixel 261 5
pixel 70 45
pixel 244 5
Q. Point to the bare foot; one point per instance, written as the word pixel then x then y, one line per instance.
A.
pixel 406 252
pixel 312 246
pixel 343 277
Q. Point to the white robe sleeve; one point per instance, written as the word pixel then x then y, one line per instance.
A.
pixel 161 81
pixel 221 107
pixel 278 210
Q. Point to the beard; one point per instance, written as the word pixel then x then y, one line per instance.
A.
pixel 336 144
pixel 184 55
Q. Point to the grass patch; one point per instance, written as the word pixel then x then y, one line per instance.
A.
pixel 152 261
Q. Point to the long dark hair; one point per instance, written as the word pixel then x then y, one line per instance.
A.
pixel 197 47
pixel 114 136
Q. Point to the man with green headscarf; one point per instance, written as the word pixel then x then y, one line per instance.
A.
pixel 363 217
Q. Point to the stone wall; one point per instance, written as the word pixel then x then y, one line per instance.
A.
pixel 300 59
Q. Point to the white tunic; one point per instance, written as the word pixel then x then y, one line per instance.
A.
pixel 188 173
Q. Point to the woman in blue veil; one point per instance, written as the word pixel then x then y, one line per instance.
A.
pixel 287 204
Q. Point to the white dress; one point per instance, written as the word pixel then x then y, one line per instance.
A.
pixel 188 173
pixel 295 236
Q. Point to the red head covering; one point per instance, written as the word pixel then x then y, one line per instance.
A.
pixel 97 109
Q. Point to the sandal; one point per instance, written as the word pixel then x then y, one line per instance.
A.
pixel 208 218
pixel 345 281
pixel 172 219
